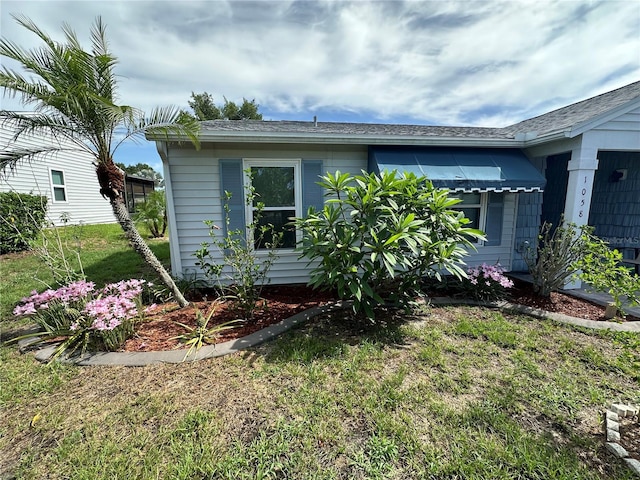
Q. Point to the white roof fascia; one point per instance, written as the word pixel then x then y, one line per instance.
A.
pixel 580 128
pixel 546 138
pixel 269 137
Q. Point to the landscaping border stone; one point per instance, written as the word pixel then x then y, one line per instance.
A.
pixel 139 359
pixel 612 429
pixel 539 313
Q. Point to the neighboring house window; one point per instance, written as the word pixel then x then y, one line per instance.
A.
pixel 58 186
pixel 137 191
pixel 276 185
pixel 474 207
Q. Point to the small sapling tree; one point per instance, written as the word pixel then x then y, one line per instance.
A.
pixel 230 261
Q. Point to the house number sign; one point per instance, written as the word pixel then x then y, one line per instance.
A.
pixel 583 195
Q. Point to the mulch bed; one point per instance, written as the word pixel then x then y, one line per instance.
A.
pixel 522 293
pixel 161 329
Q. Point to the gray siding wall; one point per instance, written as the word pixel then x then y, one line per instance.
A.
pixel 196 196
pixel 529 213
pixel 555 192
pixel 196 193
pixel 527 227
pixel 615 205
pixel 84 202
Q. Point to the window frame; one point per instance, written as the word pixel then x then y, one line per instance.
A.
pixel 247 165
pixel 483 206
pixel 55 186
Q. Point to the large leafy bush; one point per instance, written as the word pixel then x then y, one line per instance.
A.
pixel 21 219
pixel 602 269
pixel 378 236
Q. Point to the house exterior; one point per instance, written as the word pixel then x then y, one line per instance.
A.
pixel 582 161
pixel 67 178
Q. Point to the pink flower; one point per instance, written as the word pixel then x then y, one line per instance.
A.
pixel 150 308
pixel 27 309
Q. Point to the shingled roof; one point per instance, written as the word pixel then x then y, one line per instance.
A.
pixel 343 128
pixel 577 113
pixel 557 121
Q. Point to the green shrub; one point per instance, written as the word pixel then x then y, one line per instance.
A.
pixel 600 267
pixel 553 261
pixel 153 213
pixel 230 261
pixel 378 236
pixel 21 219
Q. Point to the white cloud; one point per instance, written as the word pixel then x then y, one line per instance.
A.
pixel 474 63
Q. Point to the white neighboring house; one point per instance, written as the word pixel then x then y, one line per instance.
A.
pixel 67 178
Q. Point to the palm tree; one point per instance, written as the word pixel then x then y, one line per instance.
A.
pixel 74 97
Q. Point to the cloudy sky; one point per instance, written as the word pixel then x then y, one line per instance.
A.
pixel 482 63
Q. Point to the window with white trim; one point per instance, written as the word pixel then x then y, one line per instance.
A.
pixel 58 186
pixel 474 207
pixel 277 187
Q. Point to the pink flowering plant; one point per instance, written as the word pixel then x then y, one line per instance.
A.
pixel 89 318
pixel 487 282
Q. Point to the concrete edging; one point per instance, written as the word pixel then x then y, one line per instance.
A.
pixel 139 359
pixel 538 313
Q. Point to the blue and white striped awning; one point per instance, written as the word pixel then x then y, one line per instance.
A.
pixel 462 169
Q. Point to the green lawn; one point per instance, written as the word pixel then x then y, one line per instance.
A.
pixel 455 392
pixel 105 256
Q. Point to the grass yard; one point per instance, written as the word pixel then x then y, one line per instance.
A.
pixel 105 256
pixel 455 392
pixel 464 393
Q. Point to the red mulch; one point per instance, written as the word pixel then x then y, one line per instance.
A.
pixel 522 293
pixel 161 328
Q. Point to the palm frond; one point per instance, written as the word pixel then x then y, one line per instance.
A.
pixel 74 94
pixel 99 38
pixel 45 124
pixel 27 23
pixel 11 158
pixel 163 122
pixel 15 84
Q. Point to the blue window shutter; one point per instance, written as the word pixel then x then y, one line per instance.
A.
pixel 231 181
pixel 495 214
pixel 312 194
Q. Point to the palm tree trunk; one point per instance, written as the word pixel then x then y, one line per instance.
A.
pixel 111 180
pixel 139 245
